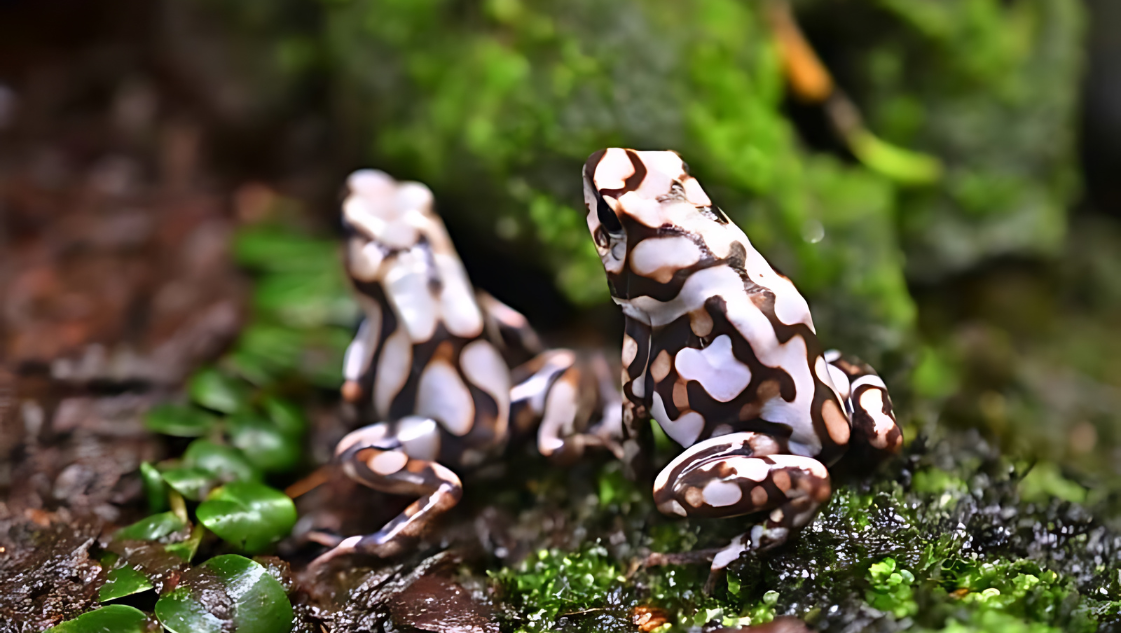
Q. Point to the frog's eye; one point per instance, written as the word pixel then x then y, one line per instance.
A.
pixel 600 237
pixel 607 218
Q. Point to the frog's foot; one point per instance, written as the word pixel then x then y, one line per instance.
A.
pixel 741 473
pixel 561 394
pixel 397 458
pixel 869 405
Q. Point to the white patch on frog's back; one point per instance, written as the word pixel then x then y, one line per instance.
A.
pixel 694 193
pixel 613 169
pixel 484 367
pixel 870 380
pixel 840 381
pixel 790 305
pixel 709 282
pixel 660 258
pixel 371 183
pixel 404 232
pixel 685 429
pixel 460 312
pixel 722 375
pixel 413 195
pixel 393 369
pixel 364 260
pixel 442 396
pixel 361 350
pixel 756 329
pixel 406 288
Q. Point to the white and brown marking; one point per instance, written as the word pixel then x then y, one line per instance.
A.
pixel 746 361
pixel 431 364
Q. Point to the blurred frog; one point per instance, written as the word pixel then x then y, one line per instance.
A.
pixel 436 368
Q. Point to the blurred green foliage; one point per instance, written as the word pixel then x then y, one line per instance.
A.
pixel 496 104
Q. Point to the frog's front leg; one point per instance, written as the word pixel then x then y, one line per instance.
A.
pixel 868 402
pixel 638 435
pixel 397 458
pixel 743 473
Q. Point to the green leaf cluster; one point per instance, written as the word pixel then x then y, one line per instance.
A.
pixel 226 593
pixel 303 308
pixel 966 149
pixel 243 428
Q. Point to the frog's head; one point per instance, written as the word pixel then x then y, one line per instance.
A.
pixel 383 216
pixel 635 196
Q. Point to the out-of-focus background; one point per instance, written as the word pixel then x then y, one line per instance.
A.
pixel 960 233
pixel 941 179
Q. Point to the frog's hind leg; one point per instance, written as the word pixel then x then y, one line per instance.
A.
pixel 743 473
pixel 397 458
pixel 571 402
pixel 869 405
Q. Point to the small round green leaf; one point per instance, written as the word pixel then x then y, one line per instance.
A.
pixel 180 611
pixel 225 462
pixel 151 528
pixel 192 482
pixel 121 582
pixel 259 602
pixel 263 443
pixel 155 489
pixel 178 420
pixel 248 515
pixel 215 390
pixel 115 618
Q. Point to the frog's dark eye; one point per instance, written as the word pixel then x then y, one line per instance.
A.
pixel 607 217
pixel 600 237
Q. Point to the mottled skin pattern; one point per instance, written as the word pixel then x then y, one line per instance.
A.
pixel 431 368
pixel 720 349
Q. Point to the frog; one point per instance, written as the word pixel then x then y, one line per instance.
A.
pixel 719 348
pixel 442 375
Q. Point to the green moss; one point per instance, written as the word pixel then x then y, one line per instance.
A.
pixel 941 541
pixel 551 584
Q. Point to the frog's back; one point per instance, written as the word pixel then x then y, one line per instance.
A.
pixel 425 352
pixel 732 344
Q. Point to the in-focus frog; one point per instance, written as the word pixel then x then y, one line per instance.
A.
pixel 721 351
pixel 430 367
